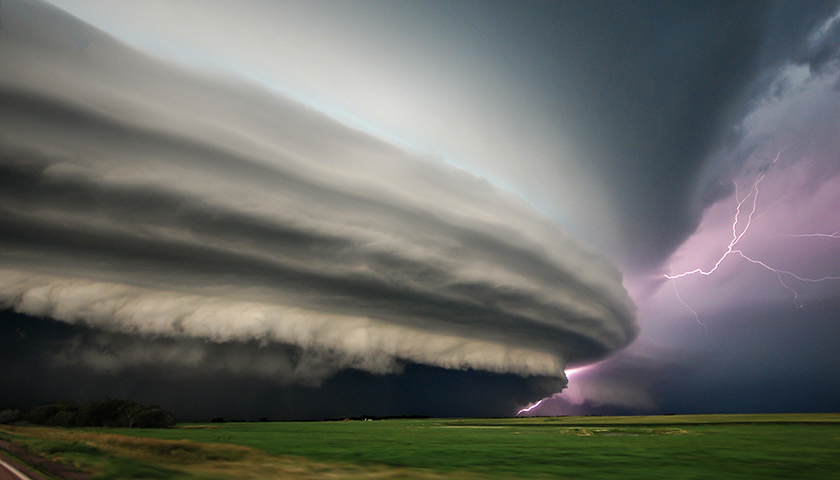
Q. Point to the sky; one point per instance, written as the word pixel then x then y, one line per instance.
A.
pixel 303 210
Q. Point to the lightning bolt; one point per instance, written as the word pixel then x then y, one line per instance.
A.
pixel 694 312
pixel 736 237
pixel 780 272
pixel 813 235
pixel 528 409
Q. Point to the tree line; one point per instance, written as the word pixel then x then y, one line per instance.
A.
pixel 112 413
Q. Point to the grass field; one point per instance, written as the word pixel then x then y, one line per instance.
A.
pixel 703 446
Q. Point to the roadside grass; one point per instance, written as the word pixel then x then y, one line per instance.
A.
pixel 109 456
pixel 669 446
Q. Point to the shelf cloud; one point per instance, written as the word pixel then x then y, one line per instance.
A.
pixel 178 210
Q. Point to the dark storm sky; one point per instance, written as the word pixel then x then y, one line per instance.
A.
pixel 421 207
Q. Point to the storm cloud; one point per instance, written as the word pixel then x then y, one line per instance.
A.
pixel 148 200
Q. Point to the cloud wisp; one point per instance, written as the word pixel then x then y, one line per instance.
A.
pixel 141 198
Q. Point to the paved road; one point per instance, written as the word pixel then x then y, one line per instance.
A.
pixel 8 472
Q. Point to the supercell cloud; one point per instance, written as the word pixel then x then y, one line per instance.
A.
pixel 171 208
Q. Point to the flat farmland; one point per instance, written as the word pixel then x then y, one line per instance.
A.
pixel 671 446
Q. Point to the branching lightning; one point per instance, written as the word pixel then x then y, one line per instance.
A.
pixel 736 238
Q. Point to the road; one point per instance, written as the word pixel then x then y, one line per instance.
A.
pixel 8 472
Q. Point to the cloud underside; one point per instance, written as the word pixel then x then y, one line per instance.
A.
pixel 140 198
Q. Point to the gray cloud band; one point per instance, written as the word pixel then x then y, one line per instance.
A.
pixel 138 197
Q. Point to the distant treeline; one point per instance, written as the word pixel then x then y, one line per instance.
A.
pixel 113 413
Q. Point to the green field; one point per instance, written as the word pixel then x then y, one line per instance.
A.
pixel 702 446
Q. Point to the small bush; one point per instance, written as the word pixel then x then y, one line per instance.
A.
pixel 10 416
